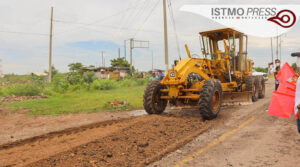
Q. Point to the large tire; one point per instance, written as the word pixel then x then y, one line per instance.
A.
pixel 153 104
pixel 262 89
pixel 252 85
pixel 210 100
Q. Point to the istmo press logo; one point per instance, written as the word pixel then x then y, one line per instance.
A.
pixel 257 20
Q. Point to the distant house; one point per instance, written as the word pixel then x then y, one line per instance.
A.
pixel 39 74
pixel 115 73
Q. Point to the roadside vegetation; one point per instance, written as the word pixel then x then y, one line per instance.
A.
pixel 73 92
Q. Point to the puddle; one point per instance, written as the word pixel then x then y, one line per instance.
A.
pixel 138 113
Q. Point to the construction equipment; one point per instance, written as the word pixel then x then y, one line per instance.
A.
pixel 223 75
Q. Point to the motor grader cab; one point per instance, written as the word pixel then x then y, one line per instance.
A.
pixel 223 75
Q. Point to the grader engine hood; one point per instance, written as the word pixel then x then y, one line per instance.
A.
pixel 177 83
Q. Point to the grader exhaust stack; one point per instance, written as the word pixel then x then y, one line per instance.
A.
pixel 223 76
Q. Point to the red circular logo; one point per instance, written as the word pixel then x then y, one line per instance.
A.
pixel 285 18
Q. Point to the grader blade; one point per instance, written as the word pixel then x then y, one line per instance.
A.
pixel 237 98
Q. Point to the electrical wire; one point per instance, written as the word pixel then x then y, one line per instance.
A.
pixel 102 19
pixel 23 33
pixel 103 26
pixel 154 7
pixel 174 27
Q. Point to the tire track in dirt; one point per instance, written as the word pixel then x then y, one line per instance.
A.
pixel 32 149
pixel 130 142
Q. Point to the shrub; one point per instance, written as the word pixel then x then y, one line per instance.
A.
pixel 127 83
pixel 103 84
pixel 89 76
pixel 23 90
pixel 75 87
pixel 39 81
pixel 132 82
pixel 143 81
pixel 75 78
pixel 2 93
pixel 60 83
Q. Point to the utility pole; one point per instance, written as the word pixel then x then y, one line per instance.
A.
pixel 152 61
pixel 125 49
pixel 280 48
pixel 50 47
pixel 272 50
pixel 166 34
pixel 277 47
pixel 102 52
pixel 131 47
pixel 119 53
pixel 1 74
pixel 136 44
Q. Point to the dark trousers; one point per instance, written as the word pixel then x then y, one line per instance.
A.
pixel 298 125
pixel 276 86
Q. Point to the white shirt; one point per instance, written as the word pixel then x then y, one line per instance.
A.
pixel 297 96
pixel 271 70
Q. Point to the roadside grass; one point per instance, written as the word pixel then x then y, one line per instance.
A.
pixel 15 78
pixel 86 101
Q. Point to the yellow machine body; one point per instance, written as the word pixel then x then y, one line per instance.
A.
pixel 224 58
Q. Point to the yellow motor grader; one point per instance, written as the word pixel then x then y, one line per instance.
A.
pixel 223 75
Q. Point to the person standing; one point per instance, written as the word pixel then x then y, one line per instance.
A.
pixel 153 76
pixel 160 75
pixel 275 70
pixel 297 104
pixel 297 94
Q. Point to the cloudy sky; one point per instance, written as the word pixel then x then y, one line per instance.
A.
pixel 83 28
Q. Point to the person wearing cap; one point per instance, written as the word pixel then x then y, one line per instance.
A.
pixel 297 95
pixel 274 70
pixel 160 75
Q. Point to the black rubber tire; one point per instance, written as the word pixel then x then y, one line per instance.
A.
pixel 252 85
pixel 262 88
pixel 206 99
pixel 152 102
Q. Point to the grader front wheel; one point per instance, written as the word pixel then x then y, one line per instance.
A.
pixel 210 99
pixel 262 89
pixel 252 85
pixel 153 104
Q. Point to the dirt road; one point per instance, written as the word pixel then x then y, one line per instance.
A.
pixel 240 136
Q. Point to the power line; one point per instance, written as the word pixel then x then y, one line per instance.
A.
pixel 174 27
pixel 23 33
pixel 129 19
pixel 154 7
pixel 103 26
pixel 102 19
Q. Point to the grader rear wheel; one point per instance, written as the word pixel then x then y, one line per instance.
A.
pixel 210 99
pixel 252 85
pixel 262 89
pixel 153 104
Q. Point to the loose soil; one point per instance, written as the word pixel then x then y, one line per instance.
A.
pixel 129 142
pixel 126 139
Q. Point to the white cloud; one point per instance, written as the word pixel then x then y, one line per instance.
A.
pixel 26 53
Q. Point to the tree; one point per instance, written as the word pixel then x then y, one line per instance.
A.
pixel 119 62
pixel 54 71
pixel 75 66
pixel 261 69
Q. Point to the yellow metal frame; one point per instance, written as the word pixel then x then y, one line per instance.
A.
pixel 219 67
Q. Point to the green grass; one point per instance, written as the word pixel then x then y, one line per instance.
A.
pixel 82 101
pixel 15 78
